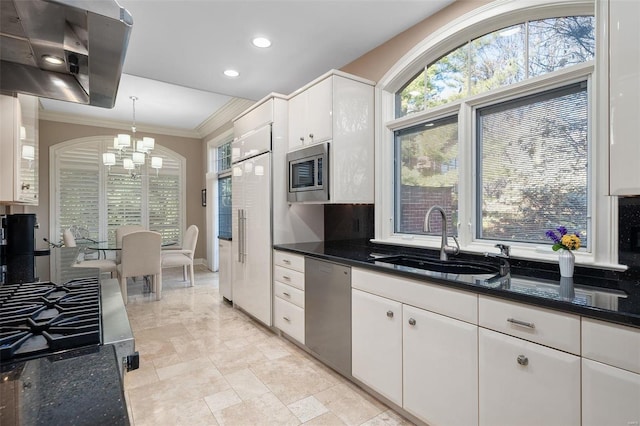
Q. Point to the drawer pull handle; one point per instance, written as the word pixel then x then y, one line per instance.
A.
pixel 390 314
pixel 286 319
pixel 284 293
pixel 286 277
pixel 523 360
pixel 287 261
pixel 412 321
pixel 521 323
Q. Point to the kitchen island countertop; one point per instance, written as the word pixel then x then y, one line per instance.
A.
pixel 76 387
pixel 590 293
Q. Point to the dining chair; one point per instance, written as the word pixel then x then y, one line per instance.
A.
pixel 105 265
pixel 184 256
pixel 121 231
pixel 141 257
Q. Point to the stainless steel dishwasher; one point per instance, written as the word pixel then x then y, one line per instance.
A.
pixel 327 313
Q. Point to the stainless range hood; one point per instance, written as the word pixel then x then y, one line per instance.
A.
pixel 70 50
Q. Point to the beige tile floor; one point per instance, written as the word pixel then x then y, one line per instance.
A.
pixel 203 362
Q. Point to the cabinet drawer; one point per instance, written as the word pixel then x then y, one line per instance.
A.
pixel 555 329
pixel 289 318
pixel 289 276
pixel 611 344
pixel 288 293
pixel 289 260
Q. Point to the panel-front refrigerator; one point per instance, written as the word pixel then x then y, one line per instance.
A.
pixel 251 224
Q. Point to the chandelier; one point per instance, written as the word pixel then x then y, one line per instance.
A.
pixel 141 148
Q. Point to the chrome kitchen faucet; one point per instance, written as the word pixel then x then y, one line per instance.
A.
pixel 444 248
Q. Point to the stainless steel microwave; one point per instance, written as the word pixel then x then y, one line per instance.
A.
pixel 309 174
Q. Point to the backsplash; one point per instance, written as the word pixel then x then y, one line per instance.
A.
pixel 356 221
pixel 629 236
pixel 348 222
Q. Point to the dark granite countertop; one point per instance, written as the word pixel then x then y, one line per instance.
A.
pixel 76 387
pixel 592 293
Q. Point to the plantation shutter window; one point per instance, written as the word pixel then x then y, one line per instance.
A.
pixel 98 199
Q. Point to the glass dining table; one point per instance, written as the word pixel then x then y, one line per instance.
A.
pixel 104 246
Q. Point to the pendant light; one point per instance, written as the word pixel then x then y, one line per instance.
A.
pixel 141 149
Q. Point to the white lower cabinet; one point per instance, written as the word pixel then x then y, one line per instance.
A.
pixel 289 318
pixel 225 263
pixel 440 363
pixel 524 383
pixel 610 374
pixel 376 342
pixel 458 358
pixel 425 362
pixel 610 395
pixel 288 294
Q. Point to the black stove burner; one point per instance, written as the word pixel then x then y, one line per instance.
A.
pixel 42 318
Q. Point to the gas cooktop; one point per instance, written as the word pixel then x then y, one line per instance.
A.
pixel 42 318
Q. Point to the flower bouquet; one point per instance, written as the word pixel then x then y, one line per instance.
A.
pixel 567 242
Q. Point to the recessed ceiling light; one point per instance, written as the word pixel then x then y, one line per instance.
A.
pixel 261 42
pixel 53 60
pixel 231 73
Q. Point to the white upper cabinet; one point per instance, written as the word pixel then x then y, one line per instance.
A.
pixel 310 115
pixel 19 147
pixel 337 109
pixel 624 92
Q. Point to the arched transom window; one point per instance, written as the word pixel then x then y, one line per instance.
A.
pixel 498 129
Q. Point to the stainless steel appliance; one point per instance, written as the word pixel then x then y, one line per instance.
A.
pixel 17 248
pixel 71 50
pixel 327 313
pixel 309 174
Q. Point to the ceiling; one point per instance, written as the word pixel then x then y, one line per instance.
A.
pixel 178 51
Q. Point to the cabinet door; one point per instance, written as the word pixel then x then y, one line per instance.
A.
pixel 26 190
pixel 224 274
pixel 238 273
pixel 376 343
pixel 440 377
pixel 523 383
pixel 624 90
pixel 297 124
pixel 9 130
pixel 255 295
pixel 610 396
pixel 319 117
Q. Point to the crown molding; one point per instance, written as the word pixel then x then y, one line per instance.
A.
pixel 114 124
pixel 225 114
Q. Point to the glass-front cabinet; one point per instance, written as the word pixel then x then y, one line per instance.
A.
pixel 19 146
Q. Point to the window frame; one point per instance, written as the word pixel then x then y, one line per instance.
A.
pixel 102 143
pixel 603 213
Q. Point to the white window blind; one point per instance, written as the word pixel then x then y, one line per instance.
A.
pixel 78 188
pixel 163 199
pixel 124 202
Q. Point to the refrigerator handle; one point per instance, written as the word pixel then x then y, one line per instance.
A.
pixel 244 236
pixel 240 235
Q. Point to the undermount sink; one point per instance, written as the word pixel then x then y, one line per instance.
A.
pixel 451 266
